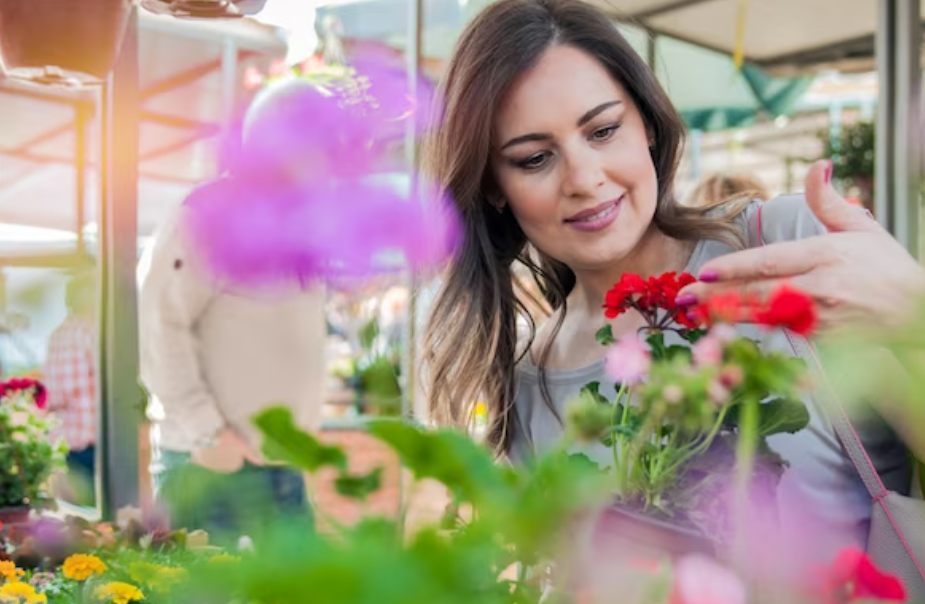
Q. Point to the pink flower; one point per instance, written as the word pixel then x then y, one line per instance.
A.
pixel 628 360
pixel 708 351
pixel 700 580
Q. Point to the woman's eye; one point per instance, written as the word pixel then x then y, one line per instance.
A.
pixel 534 162
pixel 602 134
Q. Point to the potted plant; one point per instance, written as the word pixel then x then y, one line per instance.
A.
pixel 853 160
pixel 694 407
pixel 61 41
pixel 28 454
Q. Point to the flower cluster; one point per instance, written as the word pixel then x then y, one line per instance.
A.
pixel 786 308
pixel 15 592
pixel 33 388
pixel 81 567
pixel 688 385
pixel 653 298
pixel 28 453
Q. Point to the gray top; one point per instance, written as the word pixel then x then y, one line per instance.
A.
pixel 821 491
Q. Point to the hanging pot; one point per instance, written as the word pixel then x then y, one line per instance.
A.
pixel 61 42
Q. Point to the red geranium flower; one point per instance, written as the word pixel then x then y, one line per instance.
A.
pixel 789 308
pixel 648 297
pixel 853 576
pixel 729 307
pixel 620 297
pixel 39 393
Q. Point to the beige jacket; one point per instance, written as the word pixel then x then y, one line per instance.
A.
pixel 212 359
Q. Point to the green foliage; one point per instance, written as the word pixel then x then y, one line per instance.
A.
pixel 853 152
pixel 28 454
pixel 660 429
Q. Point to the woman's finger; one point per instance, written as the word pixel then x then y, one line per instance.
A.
pixel 774 261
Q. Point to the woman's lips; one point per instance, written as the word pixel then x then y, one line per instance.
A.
pixel 597 218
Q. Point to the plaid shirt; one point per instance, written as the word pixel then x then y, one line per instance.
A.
pixel 70 377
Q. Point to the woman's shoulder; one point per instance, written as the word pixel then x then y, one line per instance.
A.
pixel 782 218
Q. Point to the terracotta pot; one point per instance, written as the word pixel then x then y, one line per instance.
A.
pixel 61 41
pixel 620 532
pixel 15 515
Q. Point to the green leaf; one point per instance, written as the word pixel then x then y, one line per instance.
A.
pixel 368 334
pixel 657 344
pixel 448 456
pixel 776 416
pixel 677 351
pixel 604 336
pixel 286 442
pixel 592 390
pixel 359 486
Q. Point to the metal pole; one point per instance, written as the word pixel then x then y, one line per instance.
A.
pixel 907 149
pixel 883 190
pixel 899 146
pixel 119 393
pixel 413 66
pixel 81 116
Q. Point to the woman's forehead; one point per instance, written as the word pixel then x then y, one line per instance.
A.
pixel 564 84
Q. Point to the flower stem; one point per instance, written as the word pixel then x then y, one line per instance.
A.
pixel 746 447
pixel 618 437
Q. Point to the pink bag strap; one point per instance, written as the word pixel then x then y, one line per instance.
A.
pixel 844 429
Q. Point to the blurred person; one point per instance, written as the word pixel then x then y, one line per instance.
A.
pixel 721 187
pixel 70 378
pixel 212 358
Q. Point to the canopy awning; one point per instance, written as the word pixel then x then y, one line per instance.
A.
pixel 781 36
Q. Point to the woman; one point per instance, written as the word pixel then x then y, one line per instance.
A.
pixel 559 144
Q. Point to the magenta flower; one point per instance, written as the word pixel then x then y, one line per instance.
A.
pixel 303 203
pixel 34 387
pixel 628 361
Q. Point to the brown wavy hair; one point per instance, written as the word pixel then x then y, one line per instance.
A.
pixel 470 347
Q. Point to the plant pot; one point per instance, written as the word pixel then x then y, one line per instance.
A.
pixel 621 532
pixel 62 42
pixel 15 515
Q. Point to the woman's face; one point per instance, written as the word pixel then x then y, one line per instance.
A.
pixel 571 157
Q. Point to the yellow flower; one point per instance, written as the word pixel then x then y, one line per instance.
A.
pixel 81 567
pixel 118 593
pixel 9 571
pixel 224 559
pixel 481 409
pixel 21 593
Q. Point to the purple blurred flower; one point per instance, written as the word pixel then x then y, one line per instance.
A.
pixel 628 360
pixel 252 235
pixel 301 203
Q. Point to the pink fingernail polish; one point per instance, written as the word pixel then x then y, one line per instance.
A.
pixel 828 171
pixel 709 276
pixel 686 300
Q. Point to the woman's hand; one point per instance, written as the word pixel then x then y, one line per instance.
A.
pixel 856 272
